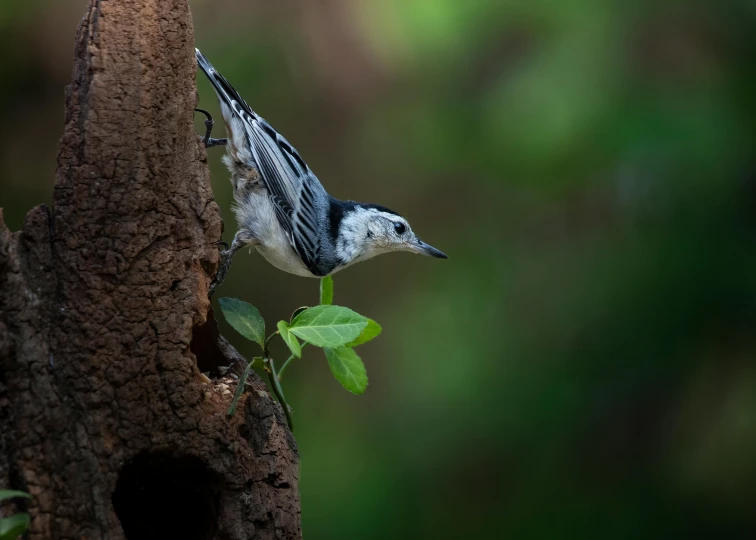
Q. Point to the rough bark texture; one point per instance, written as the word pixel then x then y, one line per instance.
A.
pixel 104 316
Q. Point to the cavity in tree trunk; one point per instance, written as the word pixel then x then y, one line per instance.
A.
pixel 104 316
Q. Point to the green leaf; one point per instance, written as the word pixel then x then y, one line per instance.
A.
pixel 328 326
pixel 326 291
pixel 348 369
pixel 10 494
pixel 258 362
pixel 297 312
pixel 291 340
pixel 371 331
pixel 245 319
pixel 14 526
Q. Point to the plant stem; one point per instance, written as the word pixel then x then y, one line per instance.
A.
pixel 266 350
pixel 240 388
pixel 283 367
pixel 274 382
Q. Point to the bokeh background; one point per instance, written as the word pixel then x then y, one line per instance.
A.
pixel 584 364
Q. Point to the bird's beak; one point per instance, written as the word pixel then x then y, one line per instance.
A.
pixel 422 248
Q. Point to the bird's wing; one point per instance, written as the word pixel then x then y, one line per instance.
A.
pixel 293 188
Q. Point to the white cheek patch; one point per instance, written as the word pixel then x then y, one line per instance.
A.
pixel 377 234
pixel 367 232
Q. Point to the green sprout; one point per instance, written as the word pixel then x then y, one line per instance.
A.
pixel 13 526
pixel 335 329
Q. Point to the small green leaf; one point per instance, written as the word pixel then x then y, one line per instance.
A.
pixel 348 369
pixel 245 319
pixel 240 387
pixel 328 326
pixel 371 331
pixel 297 312
pixel 10 494
pixel 14 526
pixel 326 291
pixel 291 340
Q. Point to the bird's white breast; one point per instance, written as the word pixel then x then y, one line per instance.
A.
pixel 254 211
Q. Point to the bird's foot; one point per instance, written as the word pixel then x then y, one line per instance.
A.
pixel 207 140
pixel 225 263
pixel 241 239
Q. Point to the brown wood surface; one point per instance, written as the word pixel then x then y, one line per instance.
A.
pixel 104 316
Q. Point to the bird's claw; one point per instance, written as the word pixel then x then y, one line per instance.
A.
pixel 220 276
pixel 207 140
pixel 225 262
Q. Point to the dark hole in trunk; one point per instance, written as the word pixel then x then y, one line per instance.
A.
pixel 205 346
pixel 160 496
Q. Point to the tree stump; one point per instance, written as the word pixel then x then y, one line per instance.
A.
pixel 104 316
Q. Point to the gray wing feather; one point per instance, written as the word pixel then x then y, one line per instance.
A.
pixel 291 185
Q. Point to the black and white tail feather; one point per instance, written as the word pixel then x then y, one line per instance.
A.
pixel 324 233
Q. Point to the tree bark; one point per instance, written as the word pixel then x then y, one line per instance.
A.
pixel 104 316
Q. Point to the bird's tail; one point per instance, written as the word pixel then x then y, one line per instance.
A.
pixel 226 93
pixel 237 115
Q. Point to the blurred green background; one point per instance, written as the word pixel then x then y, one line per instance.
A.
pixel 584 364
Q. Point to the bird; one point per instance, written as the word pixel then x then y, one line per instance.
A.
pixel 281 208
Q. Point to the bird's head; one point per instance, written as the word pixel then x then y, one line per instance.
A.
pixel 369 230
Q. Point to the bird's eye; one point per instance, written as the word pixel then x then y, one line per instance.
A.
pixel 399 228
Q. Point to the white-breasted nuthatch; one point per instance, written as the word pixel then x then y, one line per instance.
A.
pixel 283 210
